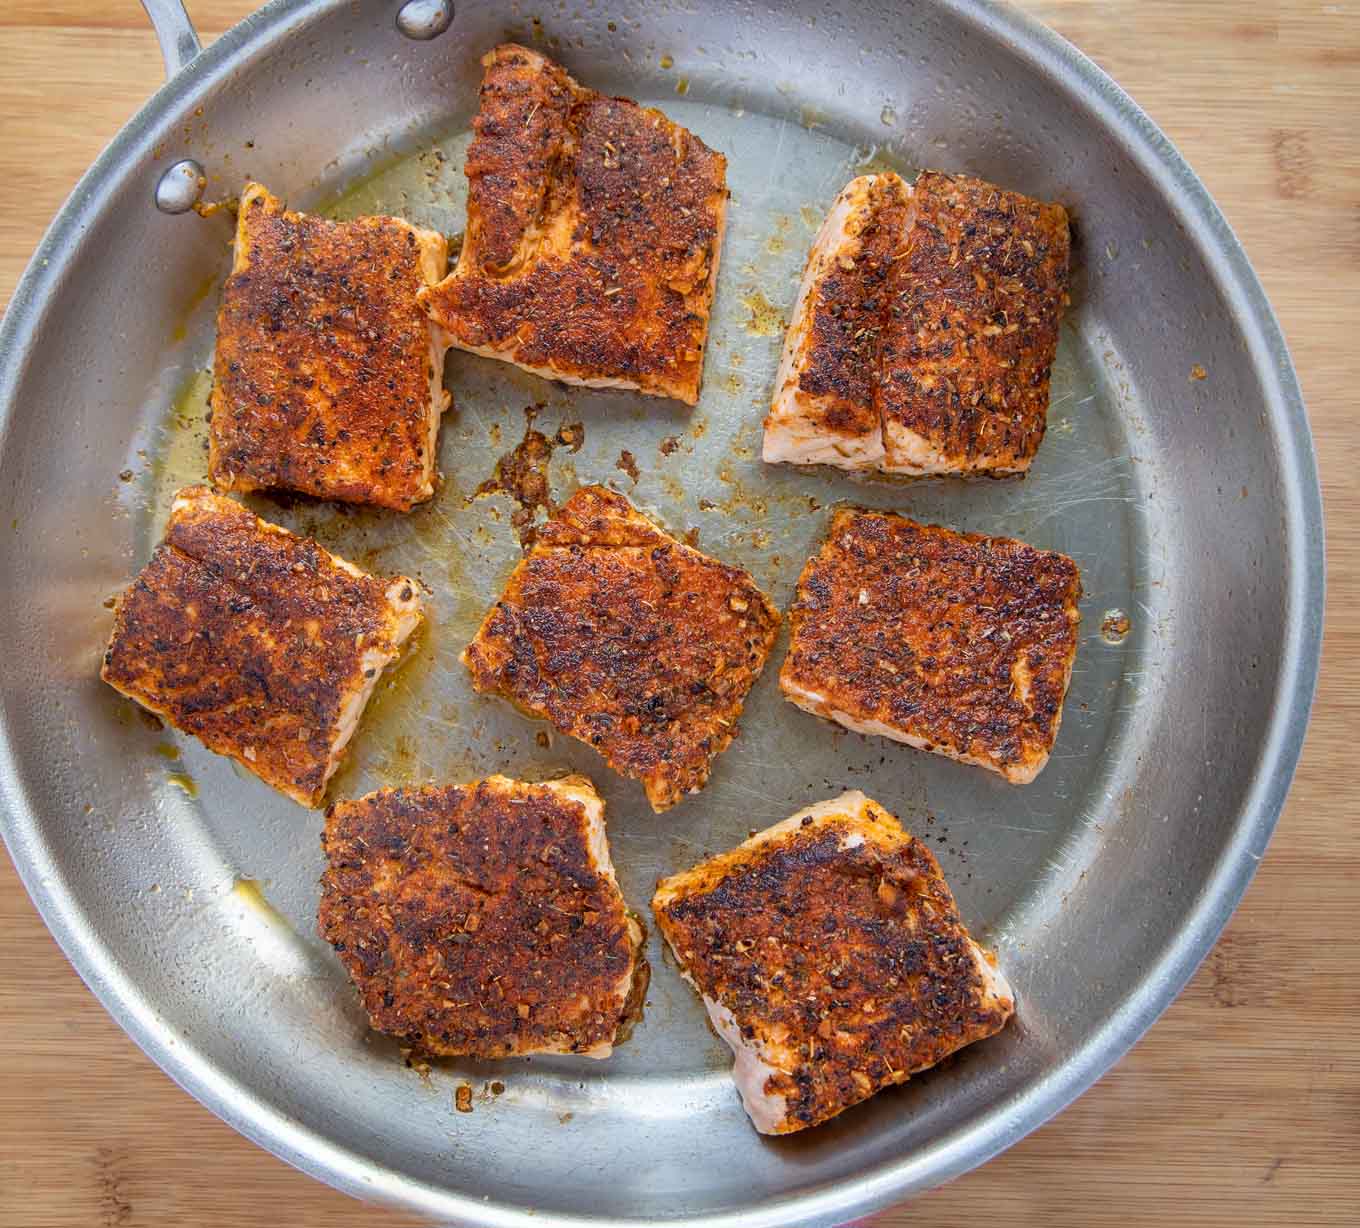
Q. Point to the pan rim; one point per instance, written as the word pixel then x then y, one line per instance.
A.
pixel 1004 1123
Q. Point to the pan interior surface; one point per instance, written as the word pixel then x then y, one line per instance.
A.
pixel 191 887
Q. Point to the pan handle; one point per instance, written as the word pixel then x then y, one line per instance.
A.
pixel 174 31
pixel 178 189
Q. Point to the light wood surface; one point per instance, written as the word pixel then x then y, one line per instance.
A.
pixel 1242 1105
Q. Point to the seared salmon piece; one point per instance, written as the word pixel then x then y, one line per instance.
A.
pixel 969 342
pixel 832 960
pixel 484 919
pixel 825 410
pixel 628 640
pixel 328 377
pixel 594 228
pixel 950 642
pixel 261 644
pixel 924 332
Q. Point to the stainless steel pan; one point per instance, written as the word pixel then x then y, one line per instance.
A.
pixel 1191 504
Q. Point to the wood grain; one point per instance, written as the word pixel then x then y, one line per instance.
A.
pixel 1242 1105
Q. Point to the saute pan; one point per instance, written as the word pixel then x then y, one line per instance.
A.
pixel 1178 472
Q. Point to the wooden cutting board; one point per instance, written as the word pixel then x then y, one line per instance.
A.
pixel 1242 1105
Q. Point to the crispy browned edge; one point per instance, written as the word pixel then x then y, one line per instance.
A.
pixel 996 599
pixel 968 345
pixel 313 303
pixel 472 922
pixel 508 656
pixel 208 673
pixel 632 303
pixel 865 999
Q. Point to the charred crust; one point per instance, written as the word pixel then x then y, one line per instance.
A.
pixel 926 630
pixel 473 921
pixel 249 638
pixel 519 134
pixel 937 315
pixel 628 640
pixel 856 955
pixel 840 361
pixel 626 294
pixel 322 379
pixel 969 341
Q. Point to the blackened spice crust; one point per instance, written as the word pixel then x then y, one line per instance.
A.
pixel 323 376
pixel 972 330
pixel 594 228
pixel 840 365
pixel 628 640
pixel 962 642
pixel 835 943
pixel 475 920
pixel 252 639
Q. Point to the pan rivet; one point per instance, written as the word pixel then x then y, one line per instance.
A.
pixel 423 19
pixel 180 187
